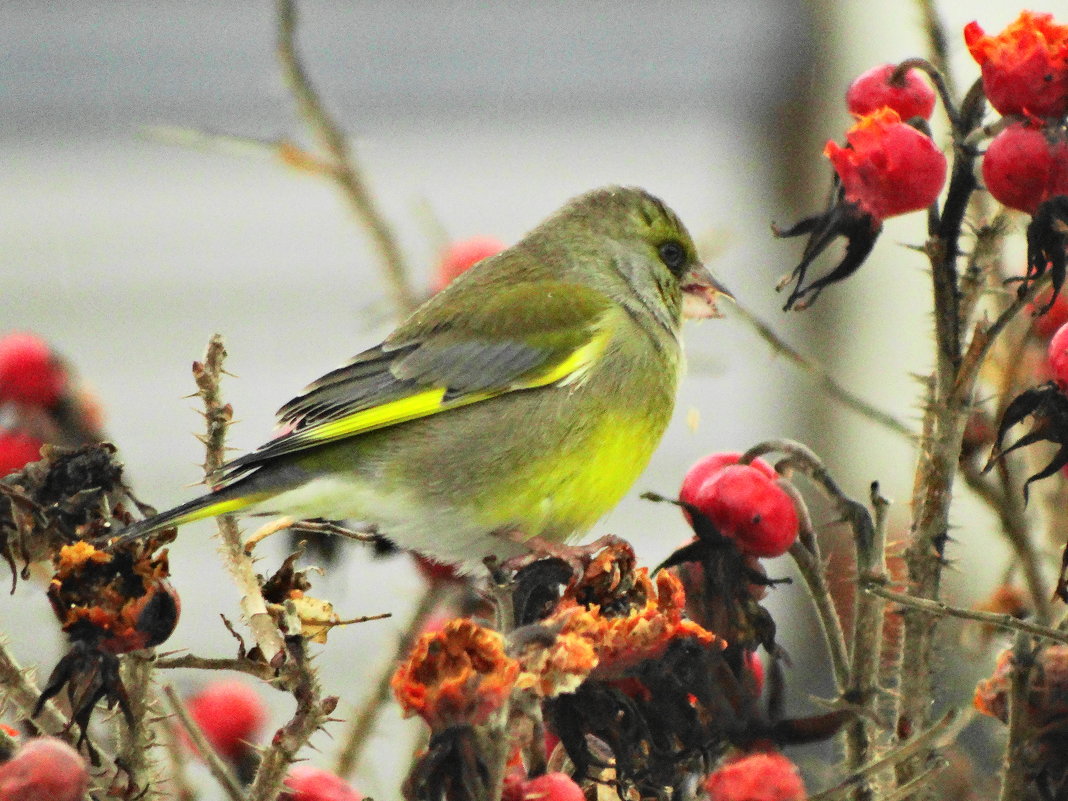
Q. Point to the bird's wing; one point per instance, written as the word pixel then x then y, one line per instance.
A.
pixel 524 336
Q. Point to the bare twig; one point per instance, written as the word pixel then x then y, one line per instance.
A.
pixel 345 172
pixel 941 609
pixel 1014 779
pixel 223 775
pixel 362 725
pixel 218 416
pixel 823 378
pixel 250 666
pixel 135 741
pixel 936 734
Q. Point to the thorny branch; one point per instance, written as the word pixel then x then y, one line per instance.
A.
pixel 344 171
pixel 219 770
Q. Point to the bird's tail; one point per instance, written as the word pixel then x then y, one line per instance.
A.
pixel 212 504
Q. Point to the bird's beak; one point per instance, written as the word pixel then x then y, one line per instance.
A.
pixel 699 293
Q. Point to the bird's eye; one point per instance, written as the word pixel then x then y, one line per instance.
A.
pixel 673 254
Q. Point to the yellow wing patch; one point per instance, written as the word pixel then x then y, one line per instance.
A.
pixel 432 401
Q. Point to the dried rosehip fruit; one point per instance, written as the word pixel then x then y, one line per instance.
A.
pixel 758 777
pixel 889 167
pixel 750 508
pixel 44 769
pixel 308 783
pixel 462 255
pixel 912 97
pixel 231 715
pixel 1025 67
pixel 1022 166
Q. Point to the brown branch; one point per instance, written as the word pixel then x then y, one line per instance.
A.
pixel 136 741
pixel 250 666
pixel 218 769
pixel 1014 778
pixel 362 725
pixel 941 609
pixel 823 377
pixel 908 749
pixel 312 712
pixel 345 172
pixel 218 416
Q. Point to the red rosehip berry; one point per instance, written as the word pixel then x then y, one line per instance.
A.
pixel 704 468
pixel 888 168
pixel 750 508
pixel 44 769
pixel 308 783
pixel 547 787
pixel 756 670
pixel 1045 325
pixel 230 714
pixel 17 450
pixel 1024 166
pixel 914 97
pixel 758 777
pixel 1025 67
pixel 1057 357
pixel 30 372
pixel 461 255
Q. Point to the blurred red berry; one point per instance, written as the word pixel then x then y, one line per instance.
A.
pixel 231 715
pixel 756 670
pixel 17 450
pixel 1025 166
pixel 1045 325
pixel 30 372
pixel 888 168
pixel 461 255
pixel 1025 67
pixel 914 97
pixel 308 783
pixel 44 769
pixel 758 777
pixel 750 508
pixel 433 571
pixel 547 787
pixel 1057 357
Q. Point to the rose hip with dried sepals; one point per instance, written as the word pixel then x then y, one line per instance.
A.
pixel 889 167
pixel 44 769
pixel 757 777
pixel 1046 325
pixel 308 783
pixel 30 372
pixel 461 256
pixel 704 468
pixel 745 504
pixel 1025 67
pixel 873 90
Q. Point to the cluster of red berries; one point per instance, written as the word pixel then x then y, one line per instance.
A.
pixel 1025 78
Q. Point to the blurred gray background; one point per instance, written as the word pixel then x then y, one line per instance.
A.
pixel 128 253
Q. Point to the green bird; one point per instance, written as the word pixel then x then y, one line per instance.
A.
pixel 510 411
